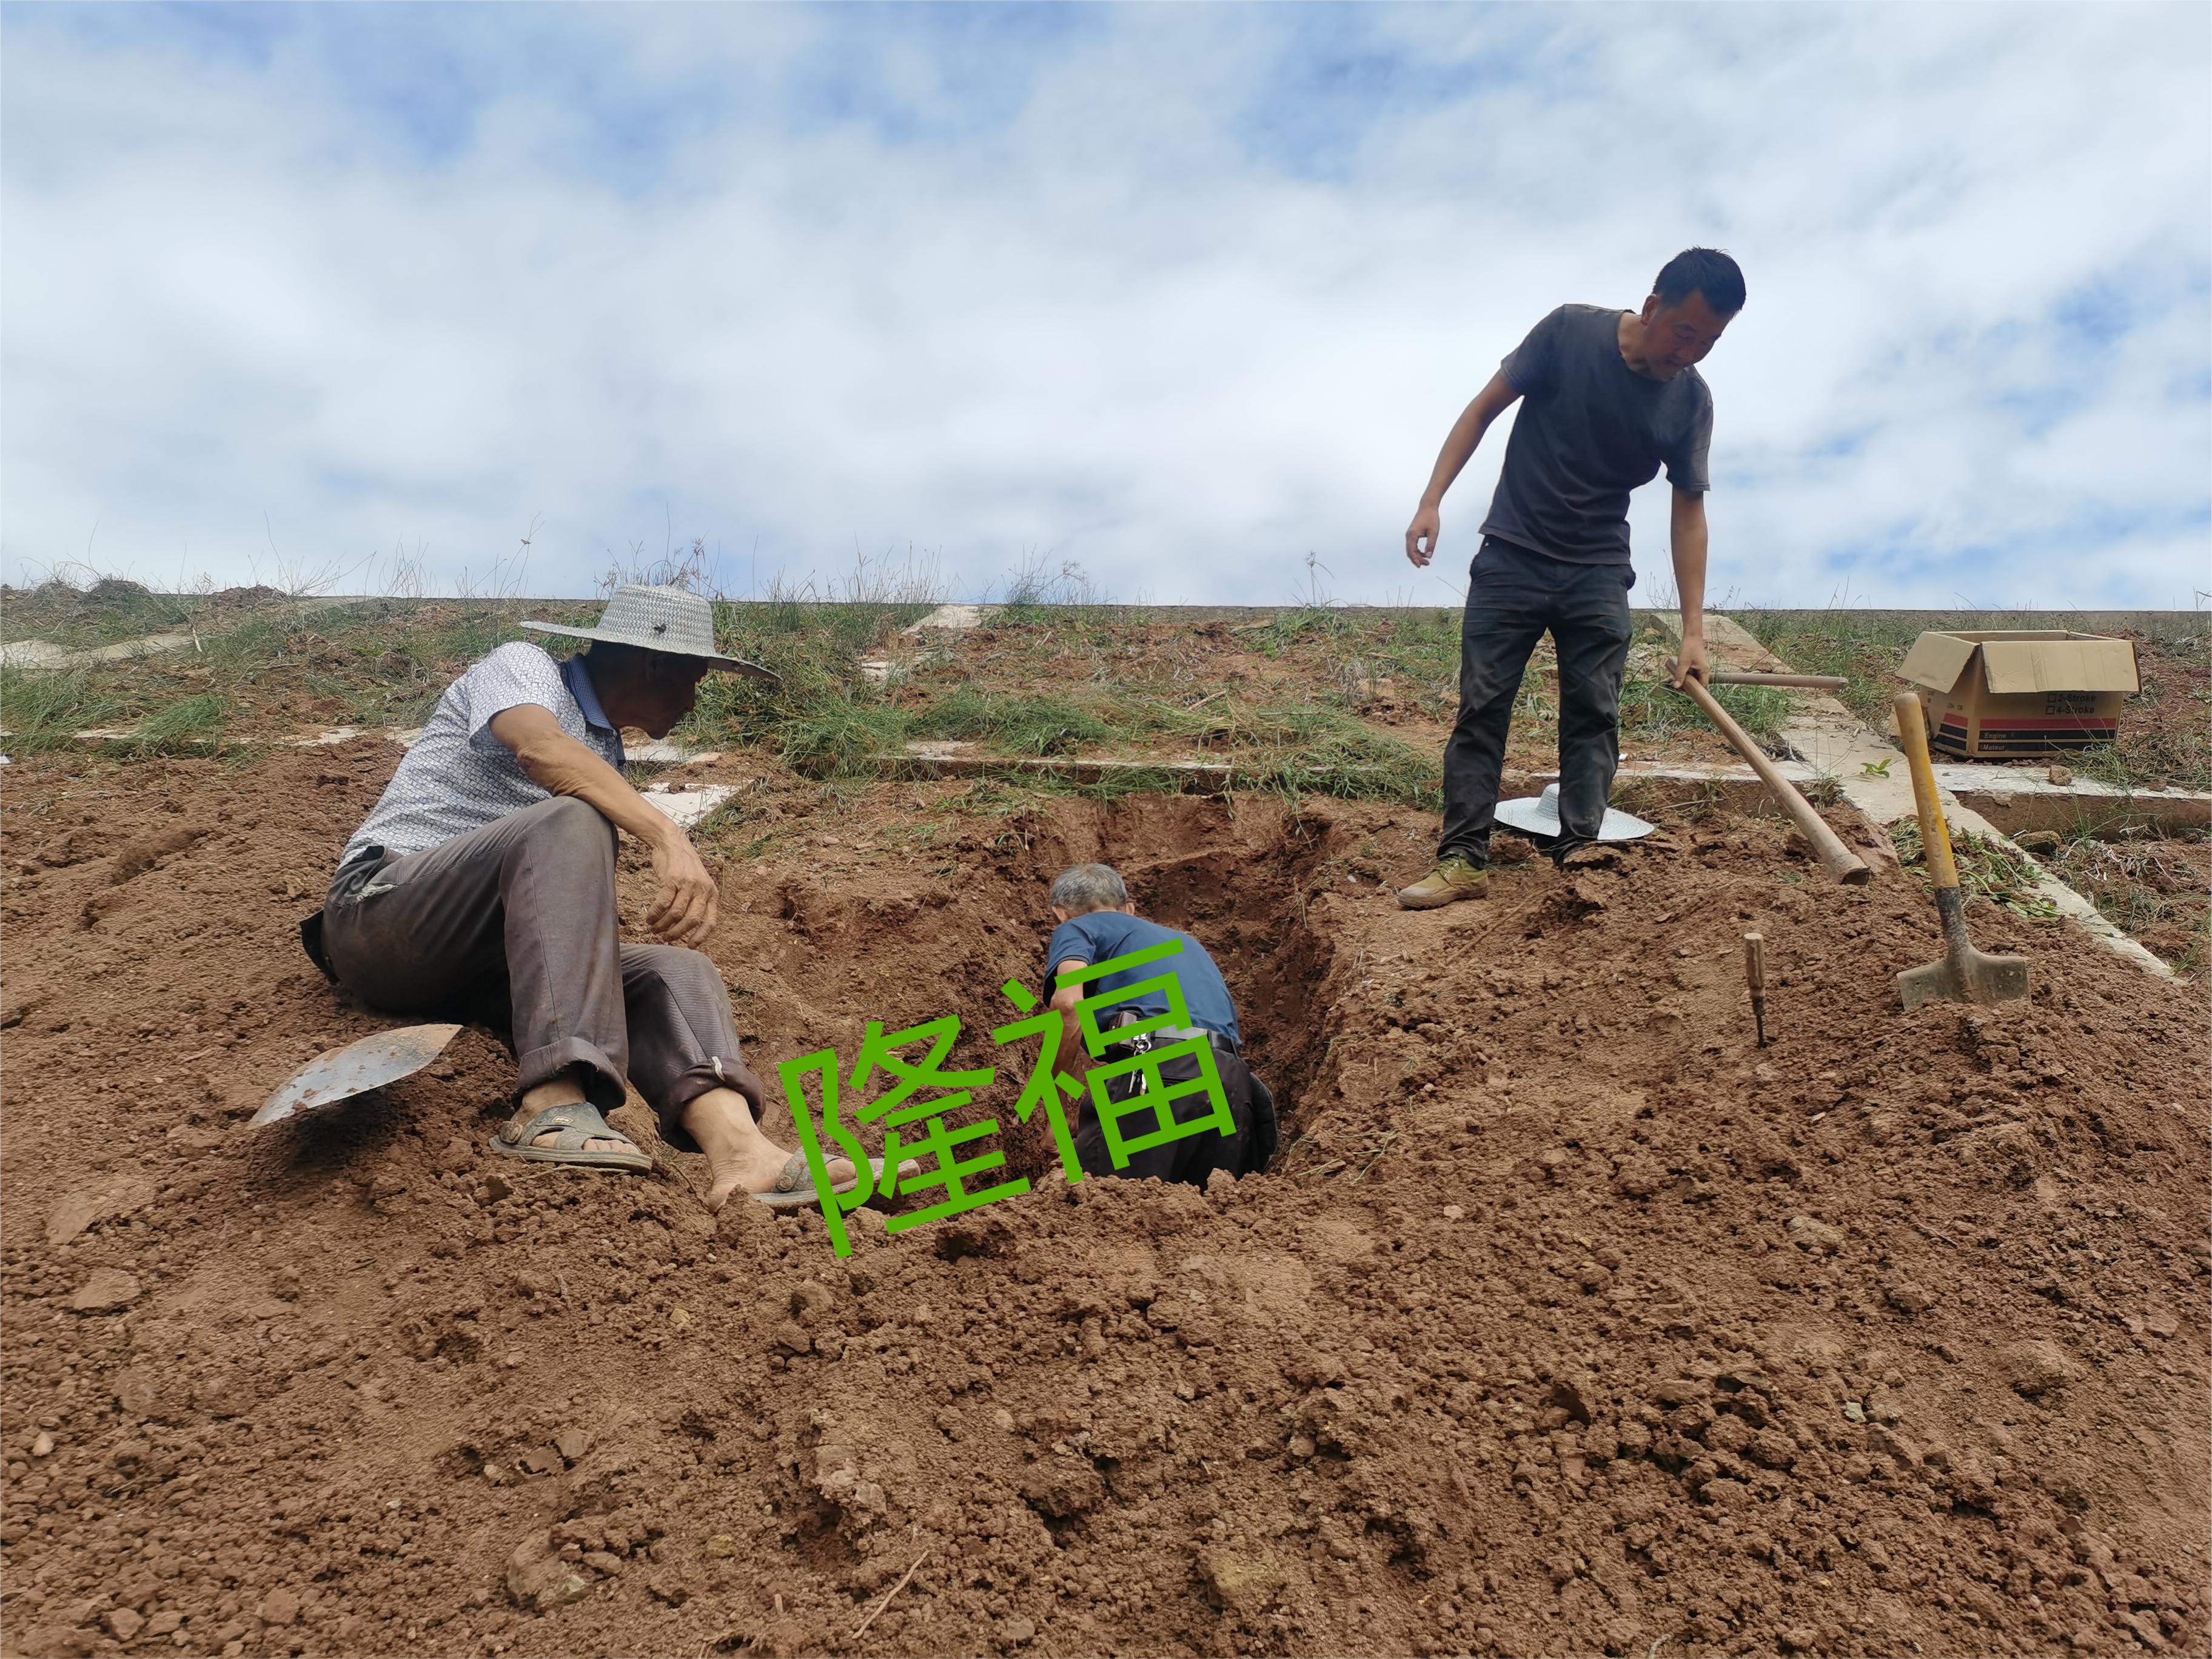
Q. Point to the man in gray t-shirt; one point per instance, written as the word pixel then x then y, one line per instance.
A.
pixel 1608 399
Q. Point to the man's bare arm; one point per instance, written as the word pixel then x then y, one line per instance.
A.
pixel 1689 537
pixel 1064 999
pixel 688 903
pixel 1474 420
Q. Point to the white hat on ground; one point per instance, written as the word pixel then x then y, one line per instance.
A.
pixel 1539 815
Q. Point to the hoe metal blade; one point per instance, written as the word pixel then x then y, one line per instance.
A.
pixel 384 1057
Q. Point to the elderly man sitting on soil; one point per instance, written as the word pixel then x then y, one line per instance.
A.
pixel 482 887
pixel 1096 923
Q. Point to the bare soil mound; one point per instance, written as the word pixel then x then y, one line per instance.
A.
pixel 1569 1321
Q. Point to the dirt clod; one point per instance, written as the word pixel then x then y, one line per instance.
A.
pixel 1243 1580
pixel 1907 1295
pixel 1063 1488
pixel 1814 1235
pixel 75 1212
pixel 2039 1368
pixel 123 1624
pixel 539 1579
pixel 105 1290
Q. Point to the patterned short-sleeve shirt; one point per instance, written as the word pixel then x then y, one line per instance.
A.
pixel 458 777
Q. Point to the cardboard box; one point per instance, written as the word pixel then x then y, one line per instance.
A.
pixel 2001 694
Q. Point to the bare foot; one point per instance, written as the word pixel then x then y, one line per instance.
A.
pixel 759 1174
pixel 741 1159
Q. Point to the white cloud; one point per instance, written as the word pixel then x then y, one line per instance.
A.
pixel 1158 295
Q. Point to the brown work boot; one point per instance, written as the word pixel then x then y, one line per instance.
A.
pixel 1452 879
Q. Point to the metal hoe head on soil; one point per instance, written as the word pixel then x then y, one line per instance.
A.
pixel 376 1060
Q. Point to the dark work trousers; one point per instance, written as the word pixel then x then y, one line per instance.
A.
pixel 514 925
pixel 1512 596
pixel 1194 1157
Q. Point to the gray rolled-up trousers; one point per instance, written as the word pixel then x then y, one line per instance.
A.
pixel 514 925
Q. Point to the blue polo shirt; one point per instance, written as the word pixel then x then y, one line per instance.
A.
pixel 1104 934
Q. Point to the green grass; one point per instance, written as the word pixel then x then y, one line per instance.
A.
pixel 822 713
pixel 2156 747
pixel 1086 677
pixel 105 612
pixel 1014 724
pixel 2144 885
pixel 1986 869
pixel 1357 650
pixel 1419 652
pixel 1310 749
pixel 191 725
pixel 1651 710
pixel 839 737
pixel 43 708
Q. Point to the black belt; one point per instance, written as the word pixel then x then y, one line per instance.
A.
pixel 1148 1041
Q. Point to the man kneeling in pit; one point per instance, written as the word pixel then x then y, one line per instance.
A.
pixel 1182 1135
pixel 481 888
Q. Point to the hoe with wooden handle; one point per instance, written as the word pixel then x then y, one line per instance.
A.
pixel 1799 682
pixel 1844 864
pixel 1963 975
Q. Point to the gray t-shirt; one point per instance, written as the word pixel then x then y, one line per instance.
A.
pixel 458 777
pixel 1591 429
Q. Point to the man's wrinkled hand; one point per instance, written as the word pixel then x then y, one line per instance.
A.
pixel 688 903
pixel 1692 661
pixel 1421 536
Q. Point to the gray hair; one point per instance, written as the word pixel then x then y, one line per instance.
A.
pixel 1090 887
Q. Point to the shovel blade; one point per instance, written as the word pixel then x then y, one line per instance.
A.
pixel 1969 976
pixel 380 1057
pixel 1996 979
pixel 1934 983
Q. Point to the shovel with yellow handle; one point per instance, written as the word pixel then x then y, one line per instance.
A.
pixel 1963 975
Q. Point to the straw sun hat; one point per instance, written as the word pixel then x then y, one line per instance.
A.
pixel 659 619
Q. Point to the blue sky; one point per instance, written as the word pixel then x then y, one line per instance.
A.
pixel 1178 296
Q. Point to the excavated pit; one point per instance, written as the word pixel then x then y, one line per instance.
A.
pixel 1569 1321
